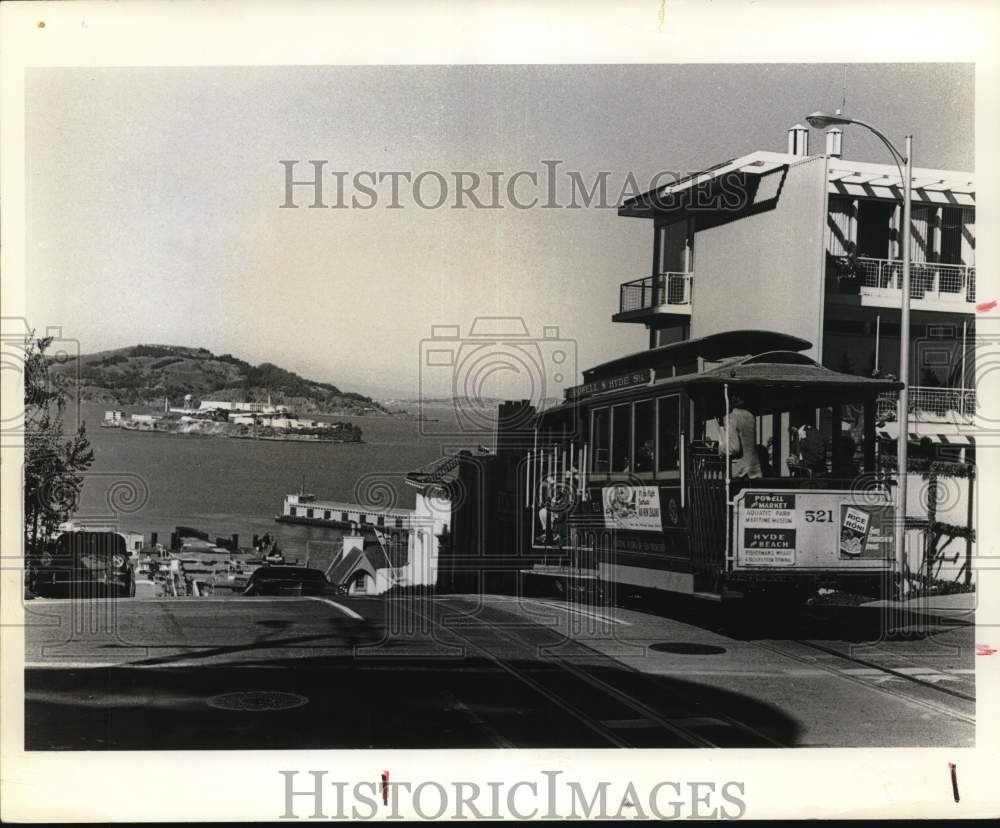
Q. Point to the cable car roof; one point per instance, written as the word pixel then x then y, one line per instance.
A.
pixel 778 373
pixel 714 347
pixel 792 377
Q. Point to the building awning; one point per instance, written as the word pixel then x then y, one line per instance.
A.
pixel 442 471
pixel 891 191
pixel 846 177
pixel 677 195
pixel 890 431
pixel 856 179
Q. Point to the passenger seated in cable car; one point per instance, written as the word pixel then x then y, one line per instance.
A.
pixel 764 458
pixel 813 450
pixel 645 456
pixel 844 464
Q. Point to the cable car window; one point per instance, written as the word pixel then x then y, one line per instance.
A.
pixel 645 436
pixel 621 437
pixel 668 432
pixel 600 439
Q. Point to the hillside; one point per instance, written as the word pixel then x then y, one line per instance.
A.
pixel 146 374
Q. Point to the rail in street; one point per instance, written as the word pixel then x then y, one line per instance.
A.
pixel 464 671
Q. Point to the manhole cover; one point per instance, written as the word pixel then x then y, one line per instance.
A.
pixel 680 648
pixel 257 701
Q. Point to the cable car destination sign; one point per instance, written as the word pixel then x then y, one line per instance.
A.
pixel 641 376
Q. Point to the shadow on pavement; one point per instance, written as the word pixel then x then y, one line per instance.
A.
pixel 749 620
pixel 378 702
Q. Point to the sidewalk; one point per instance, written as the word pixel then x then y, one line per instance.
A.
pixel 958 606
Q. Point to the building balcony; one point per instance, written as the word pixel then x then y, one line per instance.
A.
pixel 933 405
pixel 662 295
pixel 933 286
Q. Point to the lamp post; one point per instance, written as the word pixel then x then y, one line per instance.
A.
pixel 821 120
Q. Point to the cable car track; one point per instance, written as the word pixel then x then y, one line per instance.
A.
pixel 888 671
pixel 609 691
pixel 915 679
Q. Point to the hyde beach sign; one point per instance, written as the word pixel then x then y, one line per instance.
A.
pixel 768 532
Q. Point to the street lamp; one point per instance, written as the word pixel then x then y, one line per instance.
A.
pixel 821 120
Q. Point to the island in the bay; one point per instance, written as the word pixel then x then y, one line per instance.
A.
pixel 193 391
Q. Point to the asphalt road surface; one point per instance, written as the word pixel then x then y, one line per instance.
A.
pixel 465 672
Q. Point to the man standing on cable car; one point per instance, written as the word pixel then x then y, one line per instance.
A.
pixel 741 426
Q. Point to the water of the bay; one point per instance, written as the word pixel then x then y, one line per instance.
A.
pixel 148 482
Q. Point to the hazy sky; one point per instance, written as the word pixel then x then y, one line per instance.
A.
pixel 154 193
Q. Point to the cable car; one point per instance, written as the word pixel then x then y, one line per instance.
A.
pixel 634 479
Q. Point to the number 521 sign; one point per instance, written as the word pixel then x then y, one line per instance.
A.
pixel 815 529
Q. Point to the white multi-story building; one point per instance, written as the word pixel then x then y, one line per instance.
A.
pixel 810 245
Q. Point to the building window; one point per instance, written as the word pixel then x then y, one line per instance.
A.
pixel 922 233
pixel 600 440
pixel 621 437
pixel 668 421
pixel 875 229
pixel 645 436
pixel 364 518
pixel 309 513
pixel 399 523
pixel 293 512
pixel 326 515
pixel 675 248
pixel 380 520
pixel 952 230
pixel 670 334
pixel 344 517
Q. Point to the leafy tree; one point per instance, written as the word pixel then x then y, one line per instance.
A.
pixel 54 463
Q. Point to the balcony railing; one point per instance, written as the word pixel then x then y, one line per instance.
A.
pixel 948 404
pixel 928 280
pixel 656 291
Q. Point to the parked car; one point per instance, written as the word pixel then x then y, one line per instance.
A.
pixel 287 580
pixel 82 565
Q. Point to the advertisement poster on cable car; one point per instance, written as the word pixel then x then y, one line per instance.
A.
pixel 812 529
pixel 636 508
pixel 854 524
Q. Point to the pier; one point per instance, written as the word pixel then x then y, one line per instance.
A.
pixel 306 509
